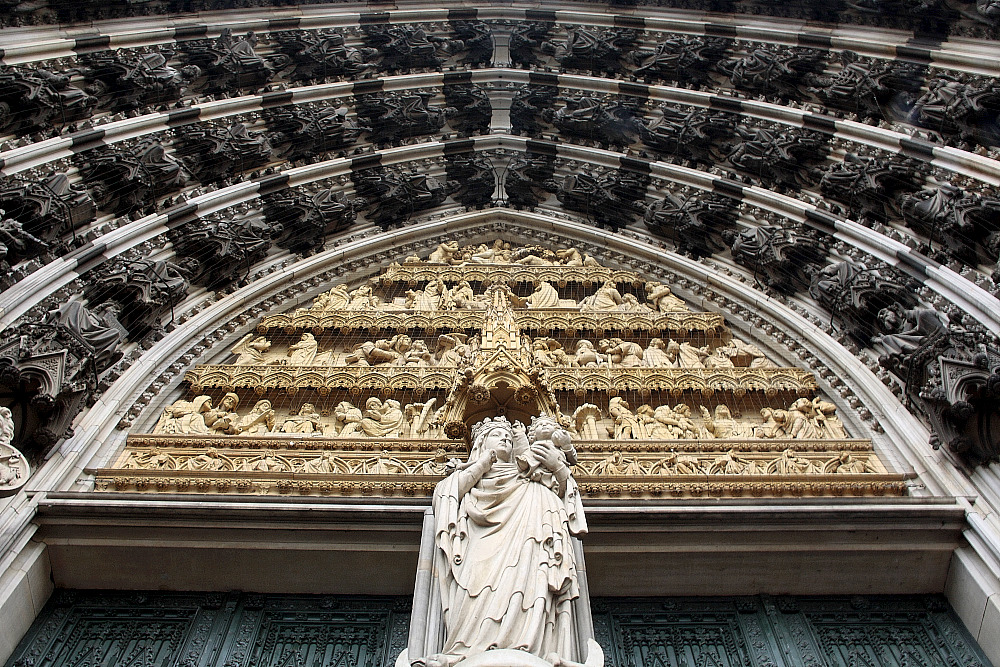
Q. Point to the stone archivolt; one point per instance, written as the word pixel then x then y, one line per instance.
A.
pixel 372 390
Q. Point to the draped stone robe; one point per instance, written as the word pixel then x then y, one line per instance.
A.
pixel 505 564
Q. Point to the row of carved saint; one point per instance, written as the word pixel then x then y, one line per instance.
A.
pixel 457 349
pixel 788 462
pixel 805 419
pixel 437 296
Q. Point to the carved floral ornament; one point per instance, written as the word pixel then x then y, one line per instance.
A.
pixel 655 404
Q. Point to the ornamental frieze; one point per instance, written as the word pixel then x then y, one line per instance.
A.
pixel 674 380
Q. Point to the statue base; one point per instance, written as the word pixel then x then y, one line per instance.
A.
pixel 506 657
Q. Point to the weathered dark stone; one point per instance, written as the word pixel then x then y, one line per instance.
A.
pixel 528 179
pixel 695 223
pixel 302 221
pixel 405 47
pixel 231 64
pixel 688 133
pixel 307 131
pixel 123 80
pixel 777 158
pixel 869 186
pixel 390 197
pixel 854 295
pixel 528 106
pixel 213 153
pixel 525 41
pixel 611 199
pixel 773 71
pixel 473 42
pixel 868 87
pixel 48 208
pixel 683 58
pixel 471 179
pixel 216 253
pixel 392 117
pixel 324 54
pixel 144 290
pixel 590 118
pixel 122 179
pixel 595 51
pixel 472 109
pixel 780 258
pixel 36 99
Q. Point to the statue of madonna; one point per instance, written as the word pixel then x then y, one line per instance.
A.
pixel 504 560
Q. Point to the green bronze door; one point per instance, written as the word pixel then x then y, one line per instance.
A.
pixel 105 629
pixel 763 631
pixel 152 629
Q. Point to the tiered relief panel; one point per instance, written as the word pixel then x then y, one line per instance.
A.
pixel 372 391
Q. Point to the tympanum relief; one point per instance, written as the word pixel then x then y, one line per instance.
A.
pixel 372 389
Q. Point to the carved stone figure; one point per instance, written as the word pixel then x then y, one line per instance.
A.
pixel 299 132
pixel 122 180
pixel 800 424
pixel 868 87
pixel 908 331
pixel 528 108
pixel 250 351
pixel 544 296
pixel 621 353
pixel 392 117
pixel 525 40
pixel 773 70
pixel 305 219
pixel 16 243
pixel 199 417
pixel 336 299
pixel 695 224
pixel 687 133
pixel 682 58
pixel 144 290
pixel 595 51
pixel 382 420
pixel 324 54
pixel 772 425
pixel 391 197
pixel 308 421
pixel 34 99
pixel 231 63
pixel 527 179
pixel 854 294
pixel 591 118
pixel 781 255
pixel 504 559
pixel 722 425
pixel 213 153
pixel 303 352
pixel 217 251
pixel 664 299
pixel 471 106
pixel 828 424
pixel 688 356
pixel 613 199
pixel 405 47
pixel 99 329
pixel 869 186
pixel 791 464
pixel 471 179
pixel 778 158
pixel 259 420
pixel 48 208
pixel 625 424
pixel 745 355
pixel 963 222
pixel 957 109
pixel 14 470
pixel 121 79
pixel 473 40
